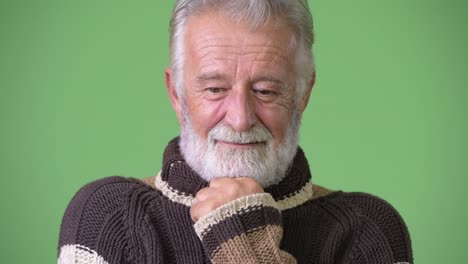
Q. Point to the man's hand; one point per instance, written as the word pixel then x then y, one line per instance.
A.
pixel 222 191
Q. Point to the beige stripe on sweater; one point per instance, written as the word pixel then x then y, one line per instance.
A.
pixel 261 246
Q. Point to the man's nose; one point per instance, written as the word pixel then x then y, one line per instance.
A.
pixel 240 113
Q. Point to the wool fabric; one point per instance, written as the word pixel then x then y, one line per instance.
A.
pixel 126 220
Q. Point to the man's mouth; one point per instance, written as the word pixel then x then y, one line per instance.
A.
pixel 240 144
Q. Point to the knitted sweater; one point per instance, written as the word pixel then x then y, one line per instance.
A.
pixel 124 220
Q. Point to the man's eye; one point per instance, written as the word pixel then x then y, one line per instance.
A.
pixel 214 90
pixel 263 92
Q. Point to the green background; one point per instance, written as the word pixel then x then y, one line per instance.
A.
pixel 83 97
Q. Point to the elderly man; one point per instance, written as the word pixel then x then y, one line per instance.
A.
pixel 235 187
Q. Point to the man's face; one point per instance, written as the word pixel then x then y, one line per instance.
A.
pixel 238 107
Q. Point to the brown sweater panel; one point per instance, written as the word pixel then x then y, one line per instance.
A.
pixel 123 220
pixel 126 221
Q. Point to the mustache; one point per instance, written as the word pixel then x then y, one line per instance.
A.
pixel 222 132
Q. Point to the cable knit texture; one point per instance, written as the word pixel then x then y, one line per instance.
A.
pixel 125 220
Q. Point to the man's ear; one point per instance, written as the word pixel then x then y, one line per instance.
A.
pixel 305 99
pixel 173 96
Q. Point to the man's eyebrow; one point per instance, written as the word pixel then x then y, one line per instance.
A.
pixel 269 78
pixel 216 76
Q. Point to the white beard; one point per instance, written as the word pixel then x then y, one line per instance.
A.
pixel 265 162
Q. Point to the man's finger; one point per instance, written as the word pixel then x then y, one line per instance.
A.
pixel 203 194
pixel 201 209
pixel 222 181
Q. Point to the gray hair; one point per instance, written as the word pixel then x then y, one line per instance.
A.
pixel 255 13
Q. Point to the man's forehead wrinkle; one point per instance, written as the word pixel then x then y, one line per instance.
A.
pixel 244 49
pixel 278 60
pixel 233 54
pixel 208 40
pixel 265 70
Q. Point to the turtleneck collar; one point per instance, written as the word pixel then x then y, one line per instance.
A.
pixel 180 183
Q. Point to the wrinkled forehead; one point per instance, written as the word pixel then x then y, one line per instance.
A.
pixel 212 28
pixel 214 39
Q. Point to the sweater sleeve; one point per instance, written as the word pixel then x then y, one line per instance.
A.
pixel 94 226
pixel 383 236
pixel 248 229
